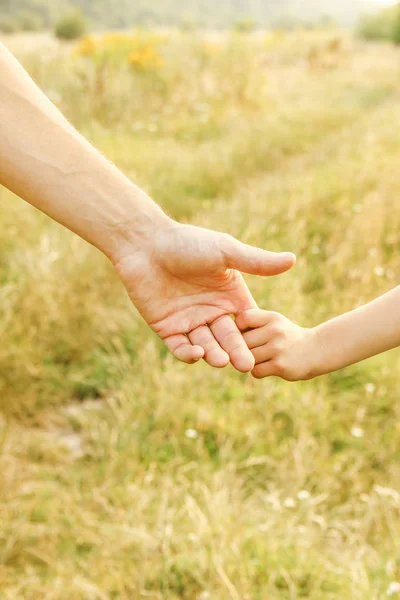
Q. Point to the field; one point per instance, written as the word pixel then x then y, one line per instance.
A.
pixel 124 474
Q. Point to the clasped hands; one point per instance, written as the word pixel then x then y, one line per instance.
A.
pixel 186 282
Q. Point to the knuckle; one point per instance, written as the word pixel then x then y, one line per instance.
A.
pixel 232 338
pixel 275 315
pixel 279 366
pixel 276 328
pixel 276 346
pixel 228 237
pixel 227 241
pixel 245 322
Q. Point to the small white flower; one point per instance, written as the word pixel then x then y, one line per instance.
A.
pixel 302 530
pixel 289 503
pixel 394 588
pixel 191 434
pixel 204 596
pixel 357 432
pixel 370 388
pixel 387 492
pixel 357 208
pixel 390 566
pixel 303 495
pixel 379 271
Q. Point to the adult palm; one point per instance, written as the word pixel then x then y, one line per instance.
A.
pixel 187 282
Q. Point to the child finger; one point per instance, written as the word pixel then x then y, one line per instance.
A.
pixel 254 317
pixel 265 369
pixel 256 337
pixel 263 353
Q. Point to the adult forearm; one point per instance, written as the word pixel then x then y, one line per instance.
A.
pixel 360 334
pixel 45 161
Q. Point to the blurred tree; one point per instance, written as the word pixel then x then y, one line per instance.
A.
pixel 188 25
pixel 244 26
pixel 396 26
pixel 110 14
pixel 71 26
pixel 8 25
pixel 327 22
pixel 379 25
pixel 28 20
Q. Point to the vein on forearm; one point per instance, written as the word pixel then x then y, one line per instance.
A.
pixel 47 162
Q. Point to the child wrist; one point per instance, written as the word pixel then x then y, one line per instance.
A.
pixel 320 366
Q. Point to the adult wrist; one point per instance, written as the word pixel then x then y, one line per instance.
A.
pixel 135 230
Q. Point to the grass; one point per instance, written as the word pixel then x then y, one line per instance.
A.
pixel 127 475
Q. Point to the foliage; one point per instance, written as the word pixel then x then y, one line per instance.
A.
pixel 381 26
pixel 39 12
pixel 8 25
pixel 24 20
pixel 71 26
pixel 140 50
pixel 244 26
pixel 108 14
pixel 188 25
pixel 29 21
pixel 396 27
pixel 217 68
pixel 124 474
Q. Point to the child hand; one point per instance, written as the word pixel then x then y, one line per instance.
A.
pixel 280 347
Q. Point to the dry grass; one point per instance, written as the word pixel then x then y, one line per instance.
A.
pixel 125 475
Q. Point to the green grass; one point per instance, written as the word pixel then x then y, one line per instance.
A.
pixel 125 474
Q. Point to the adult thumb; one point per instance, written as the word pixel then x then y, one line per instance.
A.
pixel 255 261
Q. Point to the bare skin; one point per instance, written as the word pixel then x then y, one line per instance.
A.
pixel 184 280
pixel 283 349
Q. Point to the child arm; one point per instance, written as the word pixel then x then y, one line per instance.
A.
pixel 361 333
pixel 294 353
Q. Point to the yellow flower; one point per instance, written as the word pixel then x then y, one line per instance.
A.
pixel 211 48
pixel 134 58
pixel 275 38
pixel 114 37
pixel 86 47
pixel 146 59
pixel 116 48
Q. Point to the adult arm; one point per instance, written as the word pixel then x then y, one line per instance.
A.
pixel 184 280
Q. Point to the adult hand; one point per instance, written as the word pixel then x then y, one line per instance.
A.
pixel 186 283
